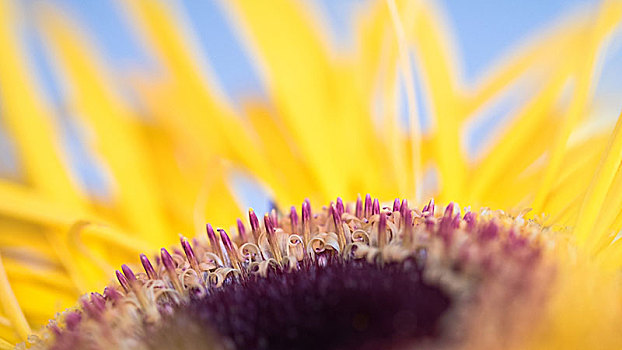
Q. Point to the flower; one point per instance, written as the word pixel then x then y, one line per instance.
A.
pixel 330 128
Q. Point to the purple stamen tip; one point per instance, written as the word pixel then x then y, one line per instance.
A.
pixel 305 212
pixel 72 319
pixel 376 208
pixel 336 217
pixel 309 213
pixel 431 206
pixel 407 217
pixel 274 216
pixel 225 239
pixel 98 301
pixel 129 274
pixel 491 231
pixel 449 211
pixel 455 223
pixel 471 219
pixel 167 260
pixel 185 245
pixel 404 207
pixel 111 294
pixel 368 208
pixel 122 281
pixel 293 218
pixel 210 232
pixel 358 211
pixel 148 267
pixel 396 204
pixel 241 230
pixel 268 223
pixel 252 218
pixel 339 207
pixel 382 226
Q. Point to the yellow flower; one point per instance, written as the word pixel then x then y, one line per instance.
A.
pixel 330 128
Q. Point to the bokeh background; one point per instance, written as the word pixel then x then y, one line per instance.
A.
pixel 483 33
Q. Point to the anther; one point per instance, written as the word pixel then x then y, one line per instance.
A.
pixel 270 235
pixel 123 281
pixel 382 230
pixel 230 250
pixel 151 273
pixel 358 211
pixel 306 223
pixel 396 204
pixel 293 219
pixel 339 206
pixel 129 274
pixel 368 205
pixel 242 231
pixel 376 208
pixel 254 222
pixel 338 227
pixel 215 247
pixel 169 266
pixel 185 245
pixel 407 228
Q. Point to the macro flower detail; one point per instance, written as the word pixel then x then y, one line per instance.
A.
pixel 107 158
pixel 355 276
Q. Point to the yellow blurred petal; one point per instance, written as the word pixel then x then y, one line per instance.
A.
pixel 5 345
pixel 199 118
pixel 597 191
pixel 117 139
pixel 299 78
pixel 11 306
pixel 524 126
pixel 606 20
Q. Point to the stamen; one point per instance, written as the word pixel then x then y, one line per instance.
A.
pixel 151 273
pixel 169 266
pixel 230 250
pixel 404 207
pixel 338 227
pixel 293 219
pixel 254 222
pixel 306 222
pixel 396 204
pixel 72 320
pixel 339 206
pixel 270 235
pixel 407 224
pixel 215 247
pixel 309 209
pixel 368 204
pixel 359 207
pixel 471 220
pixel 449 210
pixel 112 295
pixel 274 217
pixel 429 208
pixel 382 230
pixel 189 254
pixel 129 274
pixel 376 208
pixel 123 281
pixel 242 231
pixel 98 301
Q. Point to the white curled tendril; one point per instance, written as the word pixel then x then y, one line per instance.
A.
pixel 295 248
pixel 251 252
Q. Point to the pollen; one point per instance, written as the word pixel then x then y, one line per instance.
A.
pixel 357 275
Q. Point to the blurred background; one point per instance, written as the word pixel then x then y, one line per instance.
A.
pixel 482 33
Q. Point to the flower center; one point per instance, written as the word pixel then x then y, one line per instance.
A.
pixel 345 304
